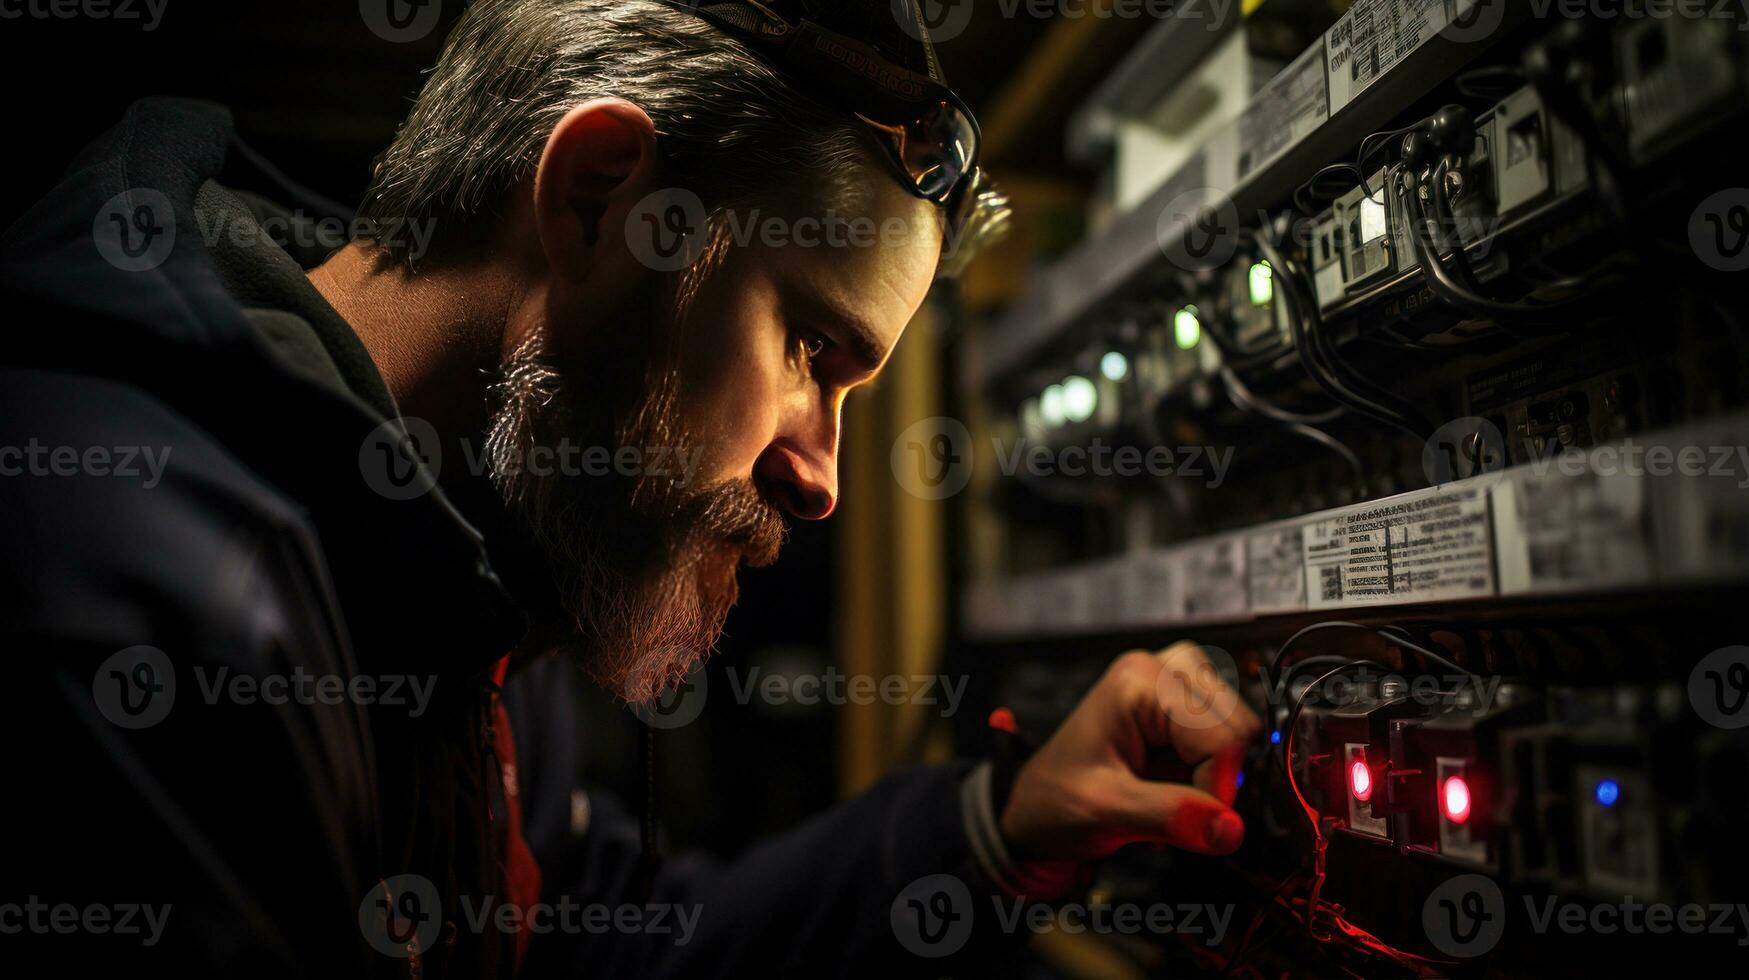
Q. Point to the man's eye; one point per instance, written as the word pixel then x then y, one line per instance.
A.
pixel 812 345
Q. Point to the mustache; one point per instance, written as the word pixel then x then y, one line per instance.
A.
pixel 735 514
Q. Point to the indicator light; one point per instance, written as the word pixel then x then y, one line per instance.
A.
pixel 1275 737
pixel 1186 328
pixel 1454 799
pixel 1050 406
pixel 1080 397
pixel 1360 779
pixel 1608 791
pixel 1114 366
pixel 1238 780
pixel 1262 283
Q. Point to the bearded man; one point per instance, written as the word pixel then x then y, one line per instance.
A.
pixel 261 692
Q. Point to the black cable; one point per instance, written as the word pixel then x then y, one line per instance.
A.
pixel 1394 634
pixel 1324 363
pixel 1423 236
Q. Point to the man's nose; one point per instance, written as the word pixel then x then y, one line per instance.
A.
pixel 800 473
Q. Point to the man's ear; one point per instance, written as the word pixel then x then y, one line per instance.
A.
pixel 597 164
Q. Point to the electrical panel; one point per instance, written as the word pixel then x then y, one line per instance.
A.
pixel 1444 457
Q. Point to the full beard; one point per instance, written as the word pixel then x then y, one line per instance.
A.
pixel 645 564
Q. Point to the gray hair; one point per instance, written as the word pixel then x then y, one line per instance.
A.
pixel 729 128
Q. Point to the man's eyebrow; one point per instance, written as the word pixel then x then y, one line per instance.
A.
pixel 849 328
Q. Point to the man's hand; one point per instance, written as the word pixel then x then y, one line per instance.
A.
pixel 1151 754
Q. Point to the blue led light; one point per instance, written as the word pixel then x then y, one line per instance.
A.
pixel 1608 791
pixel 1275 738
pixel 1238 780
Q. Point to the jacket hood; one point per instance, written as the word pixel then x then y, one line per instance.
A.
pixel 110 275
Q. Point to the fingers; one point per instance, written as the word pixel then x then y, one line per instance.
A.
pixel 1218 775
pixel 1176 815
pixel 1207 716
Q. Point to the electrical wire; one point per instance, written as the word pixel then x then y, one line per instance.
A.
pixel 1297 423
pixel 1324 920
pixel 1394 634
pixel 1315 356
pixel 1247 400
pixel 1424 239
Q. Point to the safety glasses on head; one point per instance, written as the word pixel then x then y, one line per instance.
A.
pixel 926 131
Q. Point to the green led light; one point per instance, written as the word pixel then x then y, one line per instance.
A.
pixel 1050 406
pixel 1114 366
pixel 1186 328
pixel 1262 282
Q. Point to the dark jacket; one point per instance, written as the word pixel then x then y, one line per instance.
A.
pixel 148 617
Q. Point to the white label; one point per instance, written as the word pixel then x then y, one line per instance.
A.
pixel 1556 531
pixel 1372 37
pixel 1213 585
pixel 1293 104
pixel 1275 564
pixel 1433 544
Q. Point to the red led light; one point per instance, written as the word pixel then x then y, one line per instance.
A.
pixel 1454 799
pixel 1360 779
